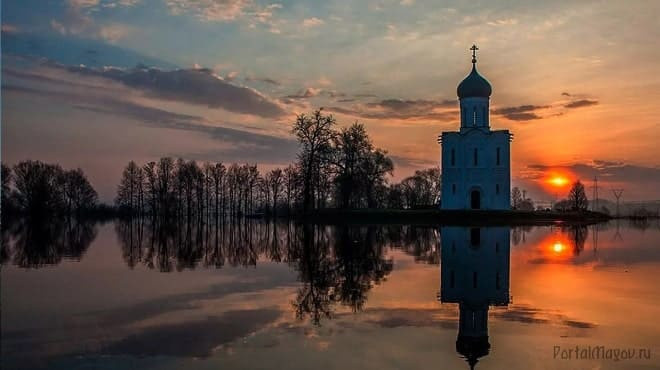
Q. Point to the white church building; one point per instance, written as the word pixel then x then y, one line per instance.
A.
pixel 476 161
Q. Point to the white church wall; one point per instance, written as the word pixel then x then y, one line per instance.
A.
pixel 464 175
pixel 474 112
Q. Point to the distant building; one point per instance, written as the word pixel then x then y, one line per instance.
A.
pixel 476 169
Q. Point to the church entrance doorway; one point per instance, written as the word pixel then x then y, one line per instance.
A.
pixel 475 199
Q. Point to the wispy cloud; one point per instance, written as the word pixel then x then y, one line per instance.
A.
pixel 112 100
pixel 404 109
pixel 78 22
pixel 195 86
pixel 229 11
pixel 312 22
pixel 581 103
pixel 521 112
pixel 267 80
pixel 531 112
pixel 308 92
pixel 503 22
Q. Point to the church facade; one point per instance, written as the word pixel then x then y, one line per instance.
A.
pixel 476 161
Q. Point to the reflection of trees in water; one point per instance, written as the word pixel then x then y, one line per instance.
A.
pixel 185 246
pixel 4 245
pixel 418 241
pixel 317 273
pixel 37 244
pixel 578 236
pixel 337 265
pixel 643 223
pixel 519 234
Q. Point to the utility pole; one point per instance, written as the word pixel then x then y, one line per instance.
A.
pixel 617 194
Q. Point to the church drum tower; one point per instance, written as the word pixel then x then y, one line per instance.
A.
pixel 476 169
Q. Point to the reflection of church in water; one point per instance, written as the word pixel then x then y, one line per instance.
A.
pixel 474 274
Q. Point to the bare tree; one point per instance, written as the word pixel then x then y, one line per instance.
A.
pixel 79 193
pixel 421 189
pixel 217 173
pixel 275 179
pixel 376 168
pixel 290 181
pixel 516 197
pixel 314 134
pixel 577 197
pixel 151 187
pixel 45 189
pixel 38 187
pixel 131 188
pixel 6 176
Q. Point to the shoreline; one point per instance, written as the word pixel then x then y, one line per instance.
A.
pixel 450 217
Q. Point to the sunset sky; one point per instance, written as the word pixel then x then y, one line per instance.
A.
pixel 96 83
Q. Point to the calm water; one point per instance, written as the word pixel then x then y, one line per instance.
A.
pixel 284 296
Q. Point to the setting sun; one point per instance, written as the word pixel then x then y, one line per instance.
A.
pixel 558 247
pixel 559 181
pixel 556 181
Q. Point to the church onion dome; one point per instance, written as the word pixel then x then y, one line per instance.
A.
pixel 474 86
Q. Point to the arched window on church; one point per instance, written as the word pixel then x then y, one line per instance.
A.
pixel 453 157
pixel 497 156
pixel 497 189
pixel 475 159
pixel 453 189
pixel 474 116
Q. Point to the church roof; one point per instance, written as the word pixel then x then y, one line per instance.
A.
pixel 474 85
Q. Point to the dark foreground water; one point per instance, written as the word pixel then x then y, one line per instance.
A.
pixel 285 296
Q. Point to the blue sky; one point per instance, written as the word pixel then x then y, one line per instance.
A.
pixel 576 81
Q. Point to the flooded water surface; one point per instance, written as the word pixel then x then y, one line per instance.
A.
pixel 258 295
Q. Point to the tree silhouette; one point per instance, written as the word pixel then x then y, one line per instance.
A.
pixel 6 205
pixel 516 197
pixel 275 181
pixel 130 192
pixel 314 133
pixel 79 194
pixel 43 190
pixel 577 197
pixel 422 189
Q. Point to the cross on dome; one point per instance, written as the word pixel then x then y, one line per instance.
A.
pixel 474 49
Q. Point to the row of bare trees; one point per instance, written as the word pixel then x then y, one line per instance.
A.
pixel 180 189
pixel 335 167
